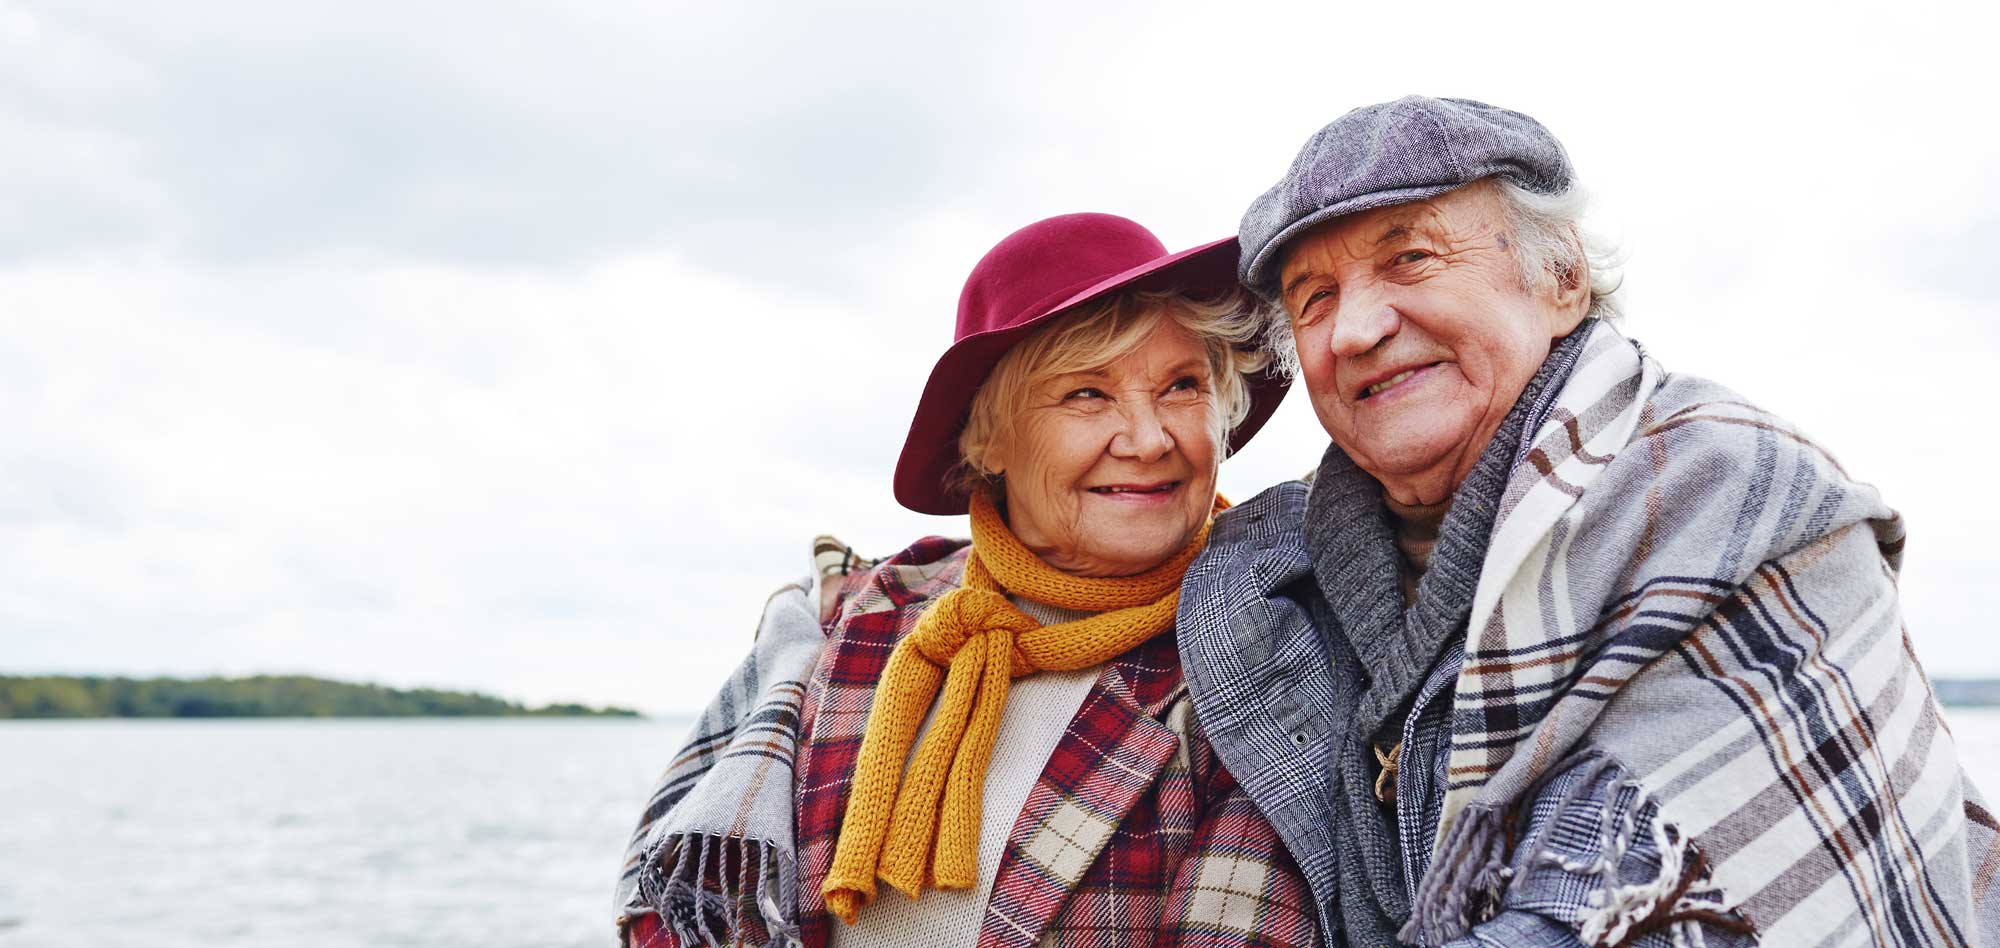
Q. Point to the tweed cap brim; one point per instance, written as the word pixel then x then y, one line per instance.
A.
pixel 1398 152
pixel 1262 267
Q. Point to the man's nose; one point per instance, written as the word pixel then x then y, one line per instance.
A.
pixel 1142 437
pixel 1362 323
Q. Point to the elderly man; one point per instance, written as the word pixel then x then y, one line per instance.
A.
pixel 1555 647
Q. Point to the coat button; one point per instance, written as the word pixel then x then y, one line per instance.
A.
pixel 1299 738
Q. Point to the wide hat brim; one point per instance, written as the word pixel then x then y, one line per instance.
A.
pixel 924 481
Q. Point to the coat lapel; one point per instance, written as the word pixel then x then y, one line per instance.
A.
pixel 838 699
pixel 1107 760
pixel 1109 757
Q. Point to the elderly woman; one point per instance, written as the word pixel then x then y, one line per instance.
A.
pixel 1556 648
pixel 998 730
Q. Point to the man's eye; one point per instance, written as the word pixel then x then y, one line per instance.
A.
pixel 1410 256
pixel 1314 306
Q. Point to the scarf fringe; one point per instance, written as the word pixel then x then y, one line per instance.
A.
pixel 704 887
pixel 1472 861
pixel 1678 896
pixel 1472 873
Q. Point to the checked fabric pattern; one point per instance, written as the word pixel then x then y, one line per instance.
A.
pixel 1134 833
pixel 1679 587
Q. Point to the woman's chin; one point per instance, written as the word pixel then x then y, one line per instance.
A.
pixel 1108 566
pixel 1141 547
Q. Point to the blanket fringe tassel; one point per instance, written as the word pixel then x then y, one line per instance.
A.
pixel 1472 872
pixel 1471 863
pixel 704 887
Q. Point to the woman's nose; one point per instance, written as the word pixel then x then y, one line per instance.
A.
pixel 1142 437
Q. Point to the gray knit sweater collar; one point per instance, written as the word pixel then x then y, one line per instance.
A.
pixel 1355 563
pixel 1355 558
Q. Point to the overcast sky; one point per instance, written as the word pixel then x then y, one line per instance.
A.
pixel 524 348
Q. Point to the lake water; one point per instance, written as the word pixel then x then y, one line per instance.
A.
pixel 305 834
pixel 308 833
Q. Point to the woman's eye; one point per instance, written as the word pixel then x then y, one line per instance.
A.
pixel 1410 256
pixel 1186 383
pixel 1083 393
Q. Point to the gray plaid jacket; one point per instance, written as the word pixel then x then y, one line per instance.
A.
pixel 1686 633
pixel 1264 679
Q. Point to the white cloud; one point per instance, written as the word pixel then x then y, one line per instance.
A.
pixel 416 472
pixel 526 348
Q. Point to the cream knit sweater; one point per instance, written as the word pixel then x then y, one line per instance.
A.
pixel 1039 708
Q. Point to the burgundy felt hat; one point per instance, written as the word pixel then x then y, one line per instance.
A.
pixel 1036 273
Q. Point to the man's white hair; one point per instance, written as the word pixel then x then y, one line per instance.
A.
pixel 1550 244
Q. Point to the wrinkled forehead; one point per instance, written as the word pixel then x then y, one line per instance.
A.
pixel 1474 208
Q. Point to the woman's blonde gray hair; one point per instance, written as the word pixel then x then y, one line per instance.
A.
pixel 1099 333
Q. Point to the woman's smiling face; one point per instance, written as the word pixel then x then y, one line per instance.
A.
pixel 1417 332
pixel 1111 471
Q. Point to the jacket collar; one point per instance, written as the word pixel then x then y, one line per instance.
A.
pixel 1116 747
pixel 1261 537
pixel 1109 758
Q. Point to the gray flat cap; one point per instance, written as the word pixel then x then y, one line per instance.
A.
pixel 1393 153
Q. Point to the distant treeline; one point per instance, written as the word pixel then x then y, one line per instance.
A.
pixel 260 696
pixel 1972 692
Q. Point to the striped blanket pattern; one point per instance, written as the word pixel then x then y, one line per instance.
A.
pixel 1686 585
pixel 714 855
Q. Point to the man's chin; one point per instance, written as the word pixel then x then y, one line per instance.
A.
pixel 1389 455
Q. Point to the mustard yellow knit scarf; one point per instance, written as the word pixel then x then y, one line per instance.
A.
pixel 972 642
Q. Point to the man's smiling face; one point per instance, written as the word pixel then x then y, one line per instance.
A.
pixel 1417 332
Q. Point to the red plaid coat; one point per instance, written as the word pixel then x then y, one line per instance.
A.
pixel 1134 834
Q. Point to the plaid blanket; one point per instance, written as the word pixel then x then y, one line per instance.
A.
pixel 1683 584
pixel 1133 834
pixel 713 860
pixel 1685 697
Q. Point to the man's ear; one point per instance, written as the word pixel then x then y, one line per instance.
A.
pixel 1571 288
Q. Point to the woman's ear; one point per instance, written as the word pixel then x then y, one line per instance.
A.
pixel 990 460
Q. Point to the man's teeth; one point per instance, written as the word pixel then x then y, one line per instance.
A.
pixel 1385 383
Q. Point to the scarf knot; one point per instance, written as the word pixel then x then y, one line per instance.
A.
pixel 963 616
pixel 920 826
